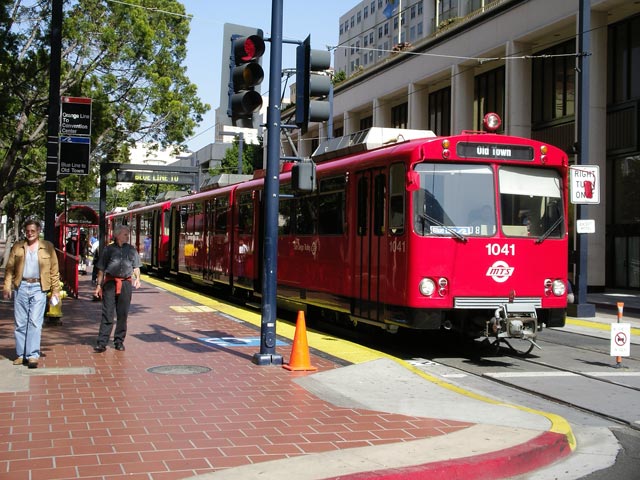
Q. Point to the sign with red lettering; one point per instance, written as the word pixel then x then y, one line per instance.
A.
pixel 584 184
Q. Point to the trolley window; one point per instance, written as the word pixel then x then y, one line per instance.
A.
pixel 378 207
pixel 454 200
pixel 245 214
pixel 363 204
pixel 222 212
pixel 331 206
pixel 305 215
pixel 531 202
pixel 285 206
pixel 396 198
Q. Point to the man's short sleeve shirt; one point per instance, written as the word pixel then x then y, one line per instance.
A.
pixel 119 261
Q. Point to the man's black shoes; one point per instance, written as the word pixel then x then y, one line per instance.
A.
pixel 99 349
pixel 120 347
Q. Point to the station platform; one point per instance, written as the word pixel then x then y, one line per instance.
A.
pixel 185 401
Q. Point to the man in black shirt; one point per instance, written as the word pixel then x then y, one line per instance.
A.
pixel 118 271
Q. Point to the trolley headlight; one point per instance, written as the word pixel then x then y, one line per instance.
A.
pixel 559 288
pixel 427 287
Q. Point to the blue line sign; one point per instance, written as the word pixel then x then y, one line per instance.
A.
pixel 74 155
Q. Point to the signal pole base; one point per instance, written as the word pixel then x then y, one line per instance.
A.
pixel 581 310
pixel 267 359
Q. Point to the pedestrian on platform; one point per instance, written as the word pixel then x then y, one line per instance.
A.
pixel 32 272
pixel 95 253
pixel 118 272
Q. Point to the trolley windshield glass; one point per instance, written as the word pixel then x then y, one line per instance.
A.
pixel 454 201
pixel 531 202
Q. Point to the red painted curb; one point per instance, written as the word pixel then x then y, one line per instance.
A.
pixel 537 453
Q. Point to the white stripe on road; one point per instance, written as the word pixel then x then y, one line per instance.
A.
pixel 559 374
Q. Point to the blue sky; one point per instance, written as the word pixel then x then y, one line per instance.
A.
pixel 204 59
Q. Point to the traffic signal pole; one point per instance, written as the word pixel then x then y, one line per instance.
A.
pixel 581 308
pixel 267 355
pixel 53 127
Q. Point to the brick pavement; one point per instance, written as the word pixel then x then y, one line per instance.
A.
pixel 119 419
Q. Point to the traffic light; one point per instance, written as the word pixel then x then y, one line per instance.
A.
pixel 311 83
pixel 245 74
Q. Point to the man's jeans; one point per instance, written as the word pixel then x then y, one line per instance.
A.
pixel 29 304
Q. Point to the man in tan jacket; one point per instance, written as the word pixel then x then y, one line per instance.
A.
pixel 32 271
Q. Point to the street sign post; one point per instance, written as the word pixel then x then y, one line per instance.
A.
pixel 75 116
pixel 173 178
pixel 74 155
pixel 74 136
pixel 620 339
pixel 584 182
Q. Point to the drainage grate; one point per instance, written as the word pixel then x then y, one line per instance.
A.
pixel 178 369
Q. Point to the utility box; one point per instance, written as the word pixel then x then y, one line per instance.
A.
pixel 303 177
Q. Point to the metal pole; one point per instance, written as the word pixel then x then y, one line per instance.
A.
pixel 240 148
pixel 267 355
pixel 51 179
pixel 581 308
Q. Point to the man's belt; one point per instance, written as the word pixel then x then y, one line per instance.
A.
pixel 118 281
pixel 31 280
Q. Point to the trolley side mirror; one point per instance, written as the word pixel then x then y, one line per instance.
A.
pixel 413 181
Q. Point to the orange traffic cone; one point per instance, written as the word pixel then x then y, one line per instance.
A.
pixel 299 360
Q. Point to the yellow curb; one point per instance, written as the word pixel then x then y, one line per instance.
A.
pixel 597 325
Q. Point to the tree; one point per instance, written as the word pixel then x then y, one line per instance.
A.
pixel 251 159
pixel 127 56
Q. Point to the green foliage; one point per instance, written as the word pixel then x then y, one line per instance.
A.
pixel 128 59
pixel 338 77
pixel 251 159
pixel 139 192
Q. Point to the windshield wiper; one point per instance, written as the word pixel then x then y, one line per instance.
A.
pixel 546 234
pixel 430 219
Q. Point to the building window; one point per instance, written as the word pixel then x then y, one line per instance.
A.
pixel 624 54
pixel 413 11
pixel 386 28
pixel 366 122
pixel 554 83
pixel 379 32
pixel 359 17
pixel 419 7
pixel 352 21
pixel 447 9
pixel 366 12
pixel 440 111
pixel 420 31
pixel 400 115
pixel 366 41
pixel 488 96
pixel 373 7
